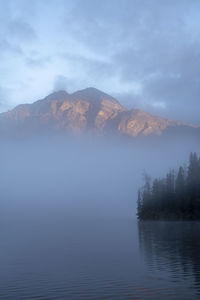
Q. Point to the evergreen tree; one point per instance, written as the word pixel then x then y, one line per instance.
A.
pixel 180 190
pixel 177 196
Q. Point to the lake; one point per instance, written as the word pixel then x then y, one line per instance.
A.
pixel 68 227
pixel 46 257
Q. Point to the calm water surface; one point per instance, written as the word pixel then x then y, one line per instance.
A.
pixel 100 258
pixel 67 228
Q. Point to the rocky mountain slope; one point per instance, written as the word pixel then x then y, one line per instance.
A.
pixel 88 110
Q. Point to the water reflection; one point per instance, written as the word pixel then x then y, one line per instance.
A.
pixel 64 258
pixel 172 247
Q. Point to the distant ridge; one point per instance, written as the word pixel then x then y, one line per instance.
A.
pixel 88 110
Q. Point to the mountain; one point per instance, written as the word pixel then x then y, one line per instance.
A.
pixel 88 110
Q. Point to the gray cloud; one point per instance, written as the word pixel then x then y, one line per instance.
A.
pixel 7 47
pixel 146 52
pixel 37 61
pixel 21 30
pixel 2 96
pixel 61 83
pixel 149 43
pixel 4 93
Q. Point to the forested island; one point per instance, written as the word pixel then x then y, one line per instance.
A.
pixel 175 197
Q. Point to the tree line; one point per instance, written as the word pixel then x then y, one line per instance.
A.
pixel 175 197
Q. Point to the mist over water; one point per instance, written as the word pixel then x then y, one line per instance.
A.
pixel 89 177
pixel 68 216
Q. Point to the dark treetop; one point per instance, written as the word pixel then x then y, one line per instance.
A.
pixel 175 197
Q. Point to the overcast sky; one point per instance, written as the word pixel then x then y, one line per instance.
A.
pixel 144 52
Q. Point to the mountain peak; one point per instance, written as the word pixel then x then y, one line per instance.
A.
pixel 57 95
pixel 92 93
pixel 85 110
pixel 90 90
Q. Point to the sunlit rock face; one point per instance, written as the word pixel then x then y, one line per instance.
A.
pixel 88 110
pixel 137 122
